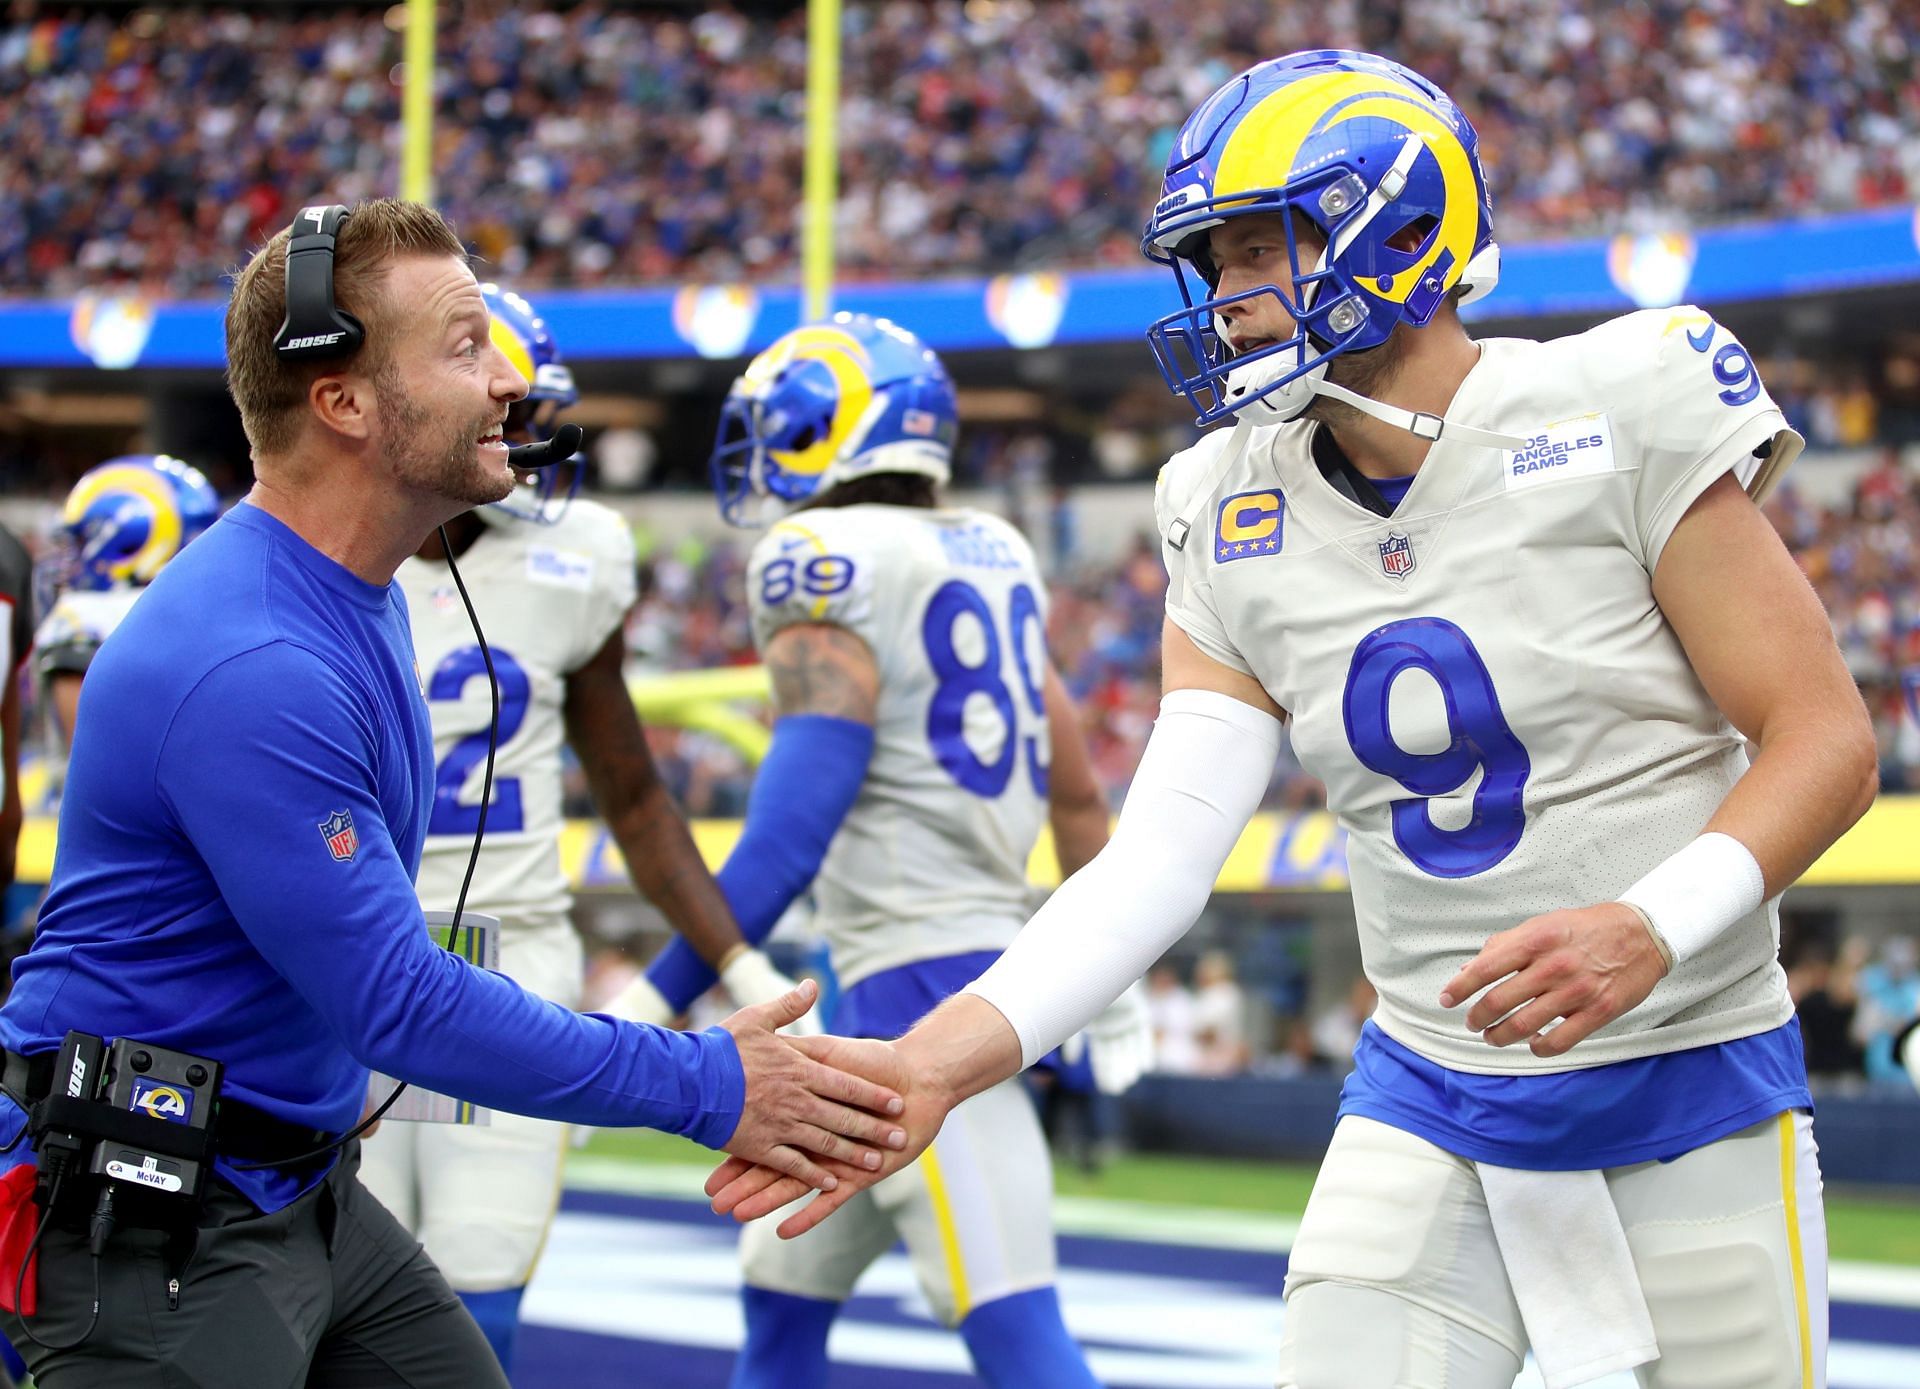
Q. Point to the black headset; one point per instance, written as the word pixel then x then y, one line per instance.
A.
pixel 316 329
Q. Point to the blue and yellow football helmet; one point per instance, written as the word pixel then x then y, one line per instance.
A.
pixel 520 333
pixel 127 517
pixel 1360 149
pixel 830 402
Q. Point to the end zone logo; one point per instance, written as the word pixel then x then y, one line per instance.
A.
pixel 1570 448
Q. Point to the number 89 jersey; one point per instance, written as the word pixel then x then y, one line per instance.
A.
pixel 548 598
pixel 1505 722
pixel 932 859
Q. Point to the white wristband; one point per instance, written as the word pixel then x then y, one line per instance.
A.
pixel 1698 894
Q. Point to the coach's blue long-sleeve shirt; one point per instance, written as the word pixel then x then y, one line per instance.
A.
pixel 244 812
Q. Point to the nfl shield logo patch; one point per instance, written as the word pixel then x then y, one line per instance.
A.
pixel 343 840
pixel 1396 555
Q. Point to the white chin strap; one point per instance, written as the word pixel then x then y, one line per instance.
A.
pixel 1290 401
pixel 1418 422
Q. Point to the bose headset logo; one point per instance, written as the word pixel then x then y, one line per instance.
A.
pixel 314 340
pixel 77 1077
pixel 318 214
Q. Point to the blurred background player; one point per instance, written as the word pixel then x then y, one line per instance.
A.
pixel 922 738
pixel 123 521
pixel 16 638
pixel 552 579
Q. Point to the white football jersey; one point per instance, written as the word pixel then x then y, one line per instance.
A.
pixel 932 859
pixel 1505 722
pixel 80 620
pixel 548 598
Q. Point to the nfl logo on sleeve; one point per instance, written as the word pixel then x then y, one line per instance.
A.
pixel 1396 555
pixel 343 840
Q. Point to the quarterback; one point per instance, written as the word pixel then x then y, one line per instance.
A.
pixel 922 738
pixel 552 579
pixel 1581 715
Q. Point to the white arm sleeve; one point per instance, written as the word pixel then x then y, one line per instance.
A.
pixel 1205 768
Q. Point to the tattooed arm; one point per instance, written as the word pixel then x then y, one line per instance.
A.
pixel 818 668
pixel 825 688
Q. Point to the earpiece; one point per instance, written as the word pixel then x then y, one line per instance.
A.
pixel 315 329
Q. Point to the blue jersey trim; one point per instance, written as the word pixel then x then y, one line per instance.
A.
pixel 887 1004
pixel 1651 1109
pixel 1392 490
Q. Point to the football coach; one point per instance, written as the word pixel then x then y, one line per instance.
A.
pixel 251 782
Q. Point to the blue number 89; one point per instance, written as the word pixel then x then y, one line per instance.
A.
pixel 821 576
pixel 1481 740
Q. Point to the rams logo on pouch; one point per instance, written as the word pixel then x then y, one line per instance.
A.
pixel 162 1101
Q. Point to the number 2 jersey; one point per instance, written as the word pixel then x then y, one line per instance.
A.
pixel 548 598
pixel 1505 722
pixel 931 862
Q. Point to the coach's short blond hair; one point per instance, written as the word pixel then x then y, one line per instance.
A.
pixel 272 394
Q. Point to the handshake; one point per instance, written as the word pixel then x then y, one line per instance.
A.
pixel 837 1114
pixel 817 1108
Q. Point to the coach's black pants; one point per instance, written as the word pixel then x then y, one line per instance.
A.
pixel 329 1293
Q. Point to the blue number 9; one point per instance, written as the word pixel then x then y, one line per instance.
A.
pixel 1024 609
pixel 1734 369
pixel 1481 740
pixel 827 574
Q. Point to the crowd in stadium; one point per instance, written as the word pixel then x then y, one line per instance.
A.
pixel 598 144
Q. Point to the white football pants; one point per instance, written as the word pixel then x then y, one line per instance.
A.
pixel 975 1210
pixel 481 1198
pixel 1396 1281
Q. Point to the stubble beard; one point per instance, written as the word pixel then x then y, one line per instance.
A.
pixel 1364 373
pixel 438 458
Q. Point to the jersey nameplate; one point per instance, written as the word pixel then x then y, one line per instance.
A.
pixel 560 568
pixel 1571 448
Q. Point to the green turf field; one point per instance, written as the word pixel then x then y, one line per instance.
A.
pixel 1872 1228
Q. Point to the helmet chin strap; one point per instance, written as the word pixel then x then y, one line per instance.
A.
pixel 1415 422
pixel 1418 422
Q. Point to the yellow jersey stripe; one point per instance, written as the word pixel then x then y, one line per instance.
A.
pixel 1790 1195
pixel 949 1234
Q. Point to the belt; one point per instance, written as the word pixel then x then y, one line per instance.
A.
pixel 240 1130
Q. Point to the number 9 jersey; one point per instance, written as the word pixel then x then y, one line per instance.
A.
pixel 1505 722
pixel 932 859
